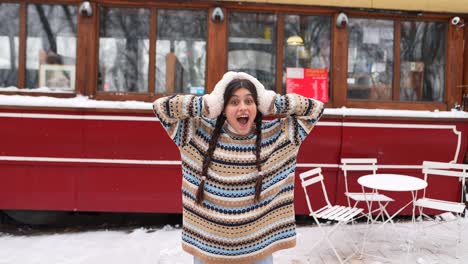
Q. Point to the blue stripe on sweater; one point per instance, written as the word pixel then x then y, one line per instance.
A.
pixel 240 210
pixel 198 105
pixel 237 193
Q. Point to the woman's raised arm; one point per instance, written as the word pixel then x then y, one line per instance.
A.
pixel 302 114
pixel 176 114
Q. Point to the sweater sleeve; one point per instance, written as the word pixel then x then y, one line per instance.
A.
pixel 176 114
pixel 302 114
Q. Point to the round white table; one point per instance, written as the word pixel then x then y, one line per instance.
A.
pixel 392 182
pixel 396 183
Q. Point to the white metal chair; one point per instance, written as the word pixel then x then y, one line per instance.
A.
pixel 339 214
pixel 442 169
pixel 369 165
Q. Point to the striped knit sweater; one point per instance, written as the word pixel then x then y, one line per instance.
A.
pixel 230 227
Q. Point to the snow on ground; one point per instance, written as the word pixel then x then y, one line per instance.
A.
pixel 139 246
pixel 162 246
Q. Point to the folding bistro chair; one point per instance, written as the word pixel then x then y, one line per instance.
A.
pixel 455 209
pixel 341 215
pixel 369 165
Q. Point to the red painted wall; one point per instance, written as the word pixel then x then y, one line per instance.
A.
pixel 156 188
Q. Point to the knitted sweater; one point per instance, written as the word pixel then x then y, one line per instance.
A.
pixel 230 227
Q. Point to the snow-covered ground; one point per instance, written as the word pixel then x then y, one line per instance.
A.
pixel 399 244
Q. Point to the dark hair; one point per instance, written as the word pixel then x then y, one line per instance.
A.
pixel 231 88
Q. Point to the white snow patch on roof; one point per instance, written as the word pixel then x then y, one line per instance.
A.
pixel 85 102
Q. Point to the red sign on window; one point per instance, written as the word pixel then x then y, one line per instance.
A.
pixel 308 82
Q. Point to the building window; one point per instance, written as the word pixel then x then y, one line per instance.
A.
pixel 307 44
pixel 370 59
pixel 51 46
pixel 9 31
pixel 252 45
pixel 422 56
pixel 181 51
pixel 124 49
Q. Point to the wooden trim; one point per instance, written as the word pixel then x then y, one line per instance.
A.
pixel 216 50
pixel 397 60
pixel 453 69
pixel 279 53
pixel 339 66
pixel 94 55
pixel 81 52
pixel 152 51
pixel 92 73
pixel 86 68
pixel 464 102
pixel 379 5
pixel 21 82
pixel 465 54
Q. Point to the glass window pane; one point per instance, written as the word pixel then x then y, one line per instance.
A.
pixel 9 30
pixel 181 51
pixel 314 52
pixel 123 49
pixel 252 45
pixel 51 46
pixel 370 59
pixel 422 56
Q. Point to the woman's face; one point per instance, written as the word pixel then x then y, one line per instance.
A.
pixel 240 111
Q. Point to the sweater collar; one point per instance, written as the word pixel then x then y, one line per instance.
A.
pixel 233 134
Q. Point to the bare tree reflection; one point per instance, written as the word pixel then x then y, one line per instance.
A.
pixel 47 23
pixel 129 28
pixel 46 27
pixel 426 42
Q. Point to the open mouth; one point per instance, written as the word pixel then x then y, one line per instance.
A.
pixel 243 120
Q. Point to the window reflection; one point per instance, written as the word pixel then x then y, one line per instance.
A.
pixel 370 59
pixel 252 45
pixel 315 31
pixel 422 56
pixel 181 51
pixel 123 49
pixel 51 40
pixel 9 30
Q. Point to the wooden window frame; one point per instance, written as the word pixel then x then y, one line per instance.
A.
pixel 21 79
pixel 216 58
pixel 453 57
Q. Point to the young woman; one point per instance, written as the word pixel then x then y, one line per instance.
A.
pixel 238 171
